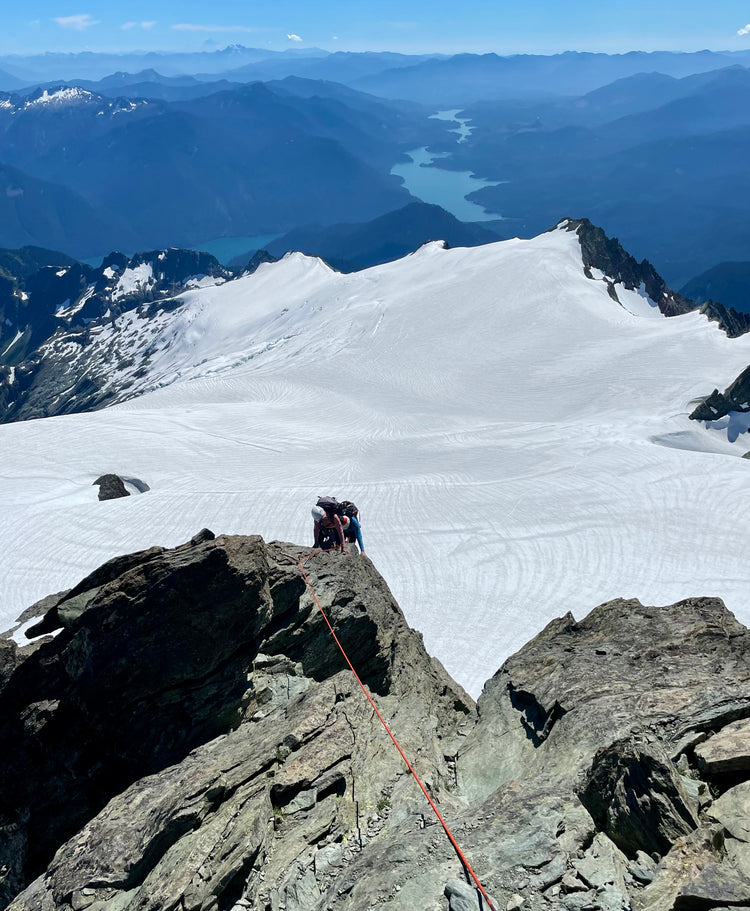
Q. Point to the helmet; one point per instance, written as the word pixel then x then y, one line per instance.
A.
pixel 345 522
pixel 318 513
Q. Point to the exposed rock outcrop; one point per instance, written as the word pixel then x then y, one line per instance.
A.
pixel 608 256
pixel 111 487
pixel 618 267
pixel 42 292
pixel 192 739
pixel 736 397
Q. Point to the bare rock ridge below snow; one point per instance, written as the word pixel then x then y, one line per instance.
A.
pixel 191 738
pixel 619 267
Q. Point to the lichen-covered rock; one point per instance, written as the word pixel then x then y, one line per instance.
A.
pixel 732 811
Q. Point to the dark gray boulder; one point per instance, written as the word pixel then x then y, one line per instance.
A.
pixel 111 487
pixel 634 795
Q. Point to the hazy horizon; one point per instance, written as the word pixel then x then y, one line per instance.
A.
pixel 412 27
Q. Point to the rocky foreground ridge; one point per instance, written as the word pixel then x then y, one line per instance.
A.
pixel 190 739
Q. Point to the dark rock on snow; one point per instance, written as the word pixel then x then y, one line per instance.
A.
pixel 192 739
pixel 719 404
pixel 111 487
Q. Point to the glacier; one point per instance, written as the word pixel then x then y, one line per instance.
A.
pixel 517 441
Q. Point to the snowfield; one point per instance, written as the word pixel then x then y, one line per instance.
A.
pixel 517 442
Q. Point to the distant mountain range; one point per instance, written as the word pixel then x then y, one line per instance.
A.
pixel 433 79
pixel 251 161
pixel 667 174
pixel 187 148
pixel 37 68
pixel 466 78
pixel 47 213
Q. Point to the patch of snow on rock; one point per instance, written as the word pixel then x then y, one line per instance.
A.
pixel 136 279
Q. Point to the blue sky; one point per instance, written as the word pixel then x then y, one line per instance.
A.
pixel 411 26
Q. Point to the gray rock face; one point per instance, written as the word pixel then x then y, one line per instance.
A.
pixel 192 739
pixel 159 654
pixel 726 751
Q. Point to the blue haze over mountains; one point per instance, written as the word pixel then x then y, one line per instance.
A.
pixel 175 149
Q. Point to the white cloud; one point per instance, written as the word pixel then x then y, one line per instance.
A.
pixel 745 30
pixel 77 23
pixel 294 37
pixel 193 27
pixel 129 25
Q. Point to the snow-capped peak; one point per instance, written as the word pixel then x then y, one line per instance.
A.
pixel 61 97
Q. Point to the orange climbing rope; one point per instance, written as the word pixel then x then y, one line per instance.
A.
pixel 462 857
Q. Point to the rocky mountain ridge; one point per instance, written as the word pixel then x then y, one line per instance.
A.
pixel 617 266
pixel 77 339
pixel 189 737
pixel 62 304
pixel 42 291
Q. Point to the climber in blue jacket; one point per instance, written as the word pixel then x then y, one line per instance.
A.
pixel 353 532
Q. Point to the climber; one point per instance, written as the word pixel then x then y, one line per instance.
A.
pixel 353 533
pixel 328 530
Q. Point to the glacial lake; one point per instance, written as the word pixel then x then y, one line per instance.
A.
pixel 462 123
pixel 448 189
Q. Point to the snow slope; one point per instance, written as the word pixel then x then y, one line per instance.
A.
pixel 517 442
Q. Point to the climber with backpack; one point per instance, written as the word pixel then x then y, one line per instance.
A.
pixel 352 527
pixel 328 530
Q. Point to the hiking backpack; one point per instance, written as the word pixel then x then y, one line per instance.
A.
pixel 331 506
pixel 349 509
